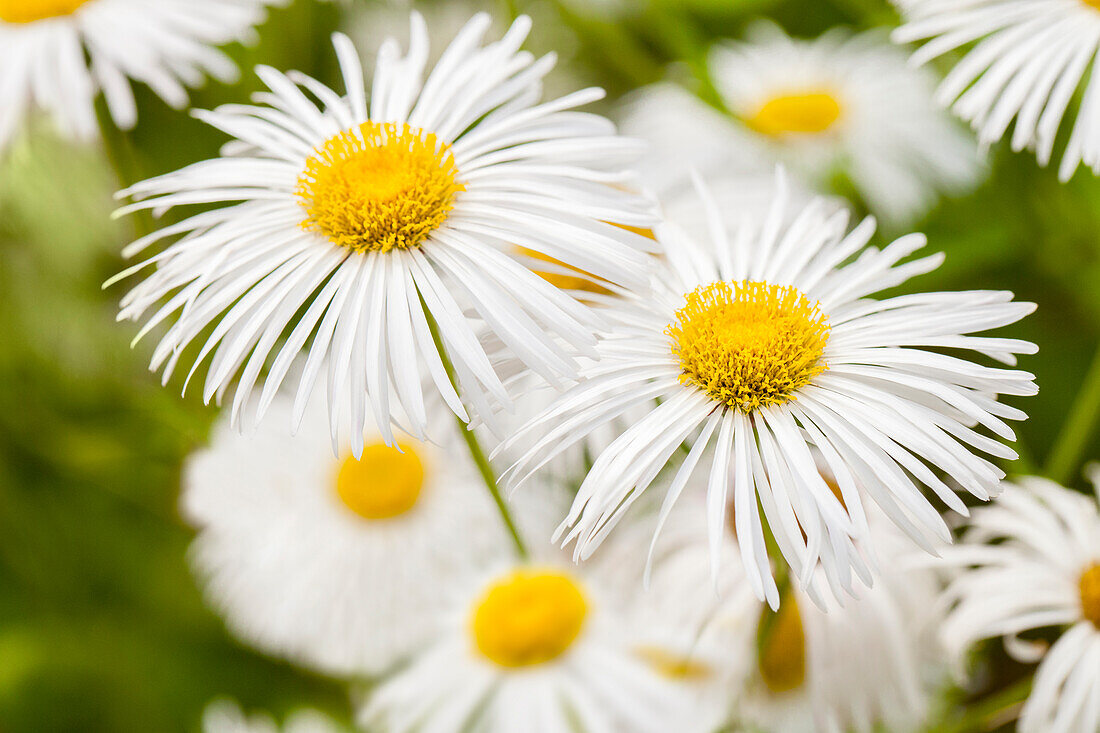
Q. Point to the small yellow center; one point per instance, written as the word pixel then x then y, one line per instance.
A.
pixel 384 483
pixel 749 344
pixel 782 648
pixel 529 617
pixel 564 277
pixel 810 112
pixel 674 666
pixel 1089 586
pixel 1095 4
pixel 28 11
pixel 379 186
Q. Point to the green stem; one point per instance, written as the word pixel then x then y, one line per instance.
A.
pixel 1065 456
pixel 474 446
pixel 991 712
pixel 123 159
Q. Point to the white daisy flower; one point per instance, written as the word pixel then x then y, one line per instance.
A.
pixel 765 344
pixel 531 647
pixel 225 716
pixel 1026 61
pixel 57 55
pixel 797 672
pixel 369 216
pixel 338 564
pixel 1030 561
pixel 847 104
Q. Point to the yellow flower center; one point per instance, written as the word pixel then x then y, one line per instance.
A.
pixel 782 649
pixel 749 344
pixel 1092 4
pixel 1089 586
pixel 809 112
pixel 28 11
pixel 384 483
pixel 672 665
pixel 379 186
pixel 529 617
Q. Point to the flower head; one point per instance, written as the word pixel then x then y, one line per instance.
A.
pixel 342 564
pixel 1029 561
pixel 763 348
pixel 363 232
pixel 59 54
pixel 1024 63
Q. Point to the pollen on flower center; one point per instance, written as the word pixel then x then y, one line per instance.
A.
pixel 379 186
pixel 782 651
pixel 749 344
pixel 28 11
pixel 529 617
pixel 384 483
pixel 808 112
pixel 1089 586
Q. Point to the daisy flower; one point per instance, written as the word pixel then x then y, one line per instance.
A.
pixel 793 670
pixel 1031 561
pixel 531 647
pixel 225 716
pixel 763 344
pixel 57 55
pixel 325 560
pixel 845 104
pixel 1026 60
pixel 378 221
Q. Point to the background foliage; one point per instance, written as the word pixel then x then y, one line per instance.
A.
pixel 101 625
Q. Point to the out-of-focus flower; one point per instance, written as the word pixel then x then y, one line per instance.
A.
pixel 840 104
pixel 1029 561
pixel 339 564
pixel 58 54
pixel 758 346
pixel 359 219
pixel 531 647
pixel 851 105
pixel 225 716
pixel 795 670
pixel 1027 61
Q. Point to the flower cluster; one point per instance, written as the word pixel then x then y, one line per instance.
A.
pixel 639 432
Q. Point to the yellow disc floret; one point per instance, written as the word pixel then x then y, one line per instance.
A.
pixel 804 113
pixel 673 665
pixel 379 186
pixel 529 617
pixel 28 11
pixel 749 344
pixel 782 653
pixel 384 483
pixel 1089 585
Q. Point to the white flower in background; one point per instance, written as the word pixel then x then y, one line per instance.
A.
pixel 847 668
pixel 339 564
pixel 367 217
pixel 764 344
pixel 57 55
pixel 1026 61
pixel 1030 561
pixel 225 716
pixel 530 647
pixel 860 667
pixel 845 104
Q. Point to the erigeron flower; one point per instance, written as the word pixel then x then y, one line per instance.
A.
pixel 534 647
pixel 1024 61
pixel 371 221
pixel 757 348
pixel 57 55
pixel 340 564
pixel 225 716
pixel 841 104
pixel 1031 560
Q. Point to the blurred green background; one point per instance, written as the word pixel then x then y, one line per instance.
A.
pixel 101 625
